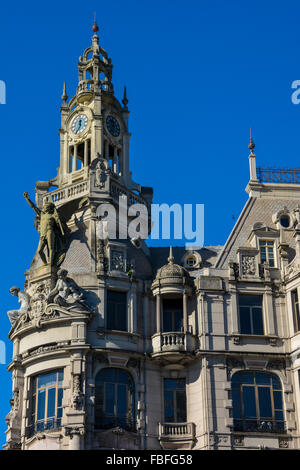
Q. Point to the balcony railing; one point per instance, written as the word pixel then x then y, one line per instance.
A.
pixel 50 424
pixel 173 342
pixel 279 175
pixel 259 425
pixel 109 422
pixel 177 431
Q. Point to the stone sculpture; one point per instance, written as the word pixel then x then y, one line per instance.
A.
pixel 14 315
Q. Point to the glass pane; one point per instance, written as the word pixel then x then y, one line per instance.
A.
pixel 59 396
pixel 47 379
pixel 245 323
pixel 261 378
pixel 181 407
pixel 258 328
pixel 51 402
pixel 106 375
pixel 60 377
pixel 121 320
pixel 265 406
pixel 41 404
pixel 276 383
pixel 237 413
pixel 249 402
pixel 122 376
pixel 277 400
pixel 178 321
pixel 59 412
pixel 250 300
pixel 169 406
pixel 247 377
pixel 167 321
pixel 109 399
pixel 121 399
pixel 236 398
pixel 235 381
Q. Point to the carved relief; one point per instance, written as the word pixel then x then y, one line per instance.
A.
pixel 117 260
pixel 77 395
pixel 248 265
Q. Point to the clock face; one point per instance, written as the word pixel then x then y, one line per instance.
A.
pixel 79 123
pixel 113 126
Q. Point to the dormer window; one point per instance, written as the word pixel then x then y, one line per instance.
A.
pixel 285 221
pixel 267 252
pixel 191 261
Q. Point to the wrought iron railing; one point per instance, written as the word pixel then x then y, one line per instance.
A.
pixel 259 425
pixel 50 424
pixel 279 175
pixel 109 422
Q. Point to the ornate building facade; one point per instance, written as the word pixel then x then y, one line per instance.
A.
pixel 122 346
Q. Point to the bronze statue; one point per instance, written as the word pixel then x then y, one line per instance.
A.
pixel 52 232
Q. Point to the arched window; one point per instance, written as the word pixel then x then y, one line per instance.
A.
pixel 257 402
pixel 114 401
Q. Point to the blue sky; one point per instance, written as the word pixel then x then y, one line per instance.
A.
pixel 199 74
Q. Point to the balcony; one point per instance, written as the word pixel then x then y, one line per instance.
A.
pixel 176 435
pixel 110 422
pixel 50 424
pixel 173 346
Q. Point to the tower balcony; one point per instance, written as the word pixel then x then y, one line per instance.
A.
pixel 177 435
pixel 173 346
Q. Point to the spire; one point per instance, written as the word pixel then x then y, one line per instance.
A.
pixel 64 95
pixel 252 159
pixel 95 26
pixel 251 145
pixel 125 100
pixel 171 257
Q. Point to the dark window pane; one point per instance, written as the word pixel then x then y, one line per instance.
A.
pixel 121 319
pixel 181 406
pixel 60 377
pixel 169 406
pixel 109 398
pixel 59 396
pixel 257 319
pixel 51 402
pixel 236 380
pixel 173 304
pixel 236 398
pixel 247 377
pixel 277 400
pixel 237 413
pixel 276 383
pixel 106 375
pixel 261 378
pixel 59 412
pixel 279 415
pixel 245 322
pixel 47 379
pixel 116 310
pixel 249 402
pixel 122 376
pixel 265 405
pixel 167 321
pixel 250 300
pixel 122 399
pixel 41 404
pixel 178 321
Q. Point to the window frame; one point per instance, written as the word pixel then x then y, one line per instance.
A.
pixel 258 419
pixel 267 260
pixel 115 320
pixel 175 392
pixel 47 422
pixel 173 312
pixel 126 420
pixel 251 307
pixel 295 309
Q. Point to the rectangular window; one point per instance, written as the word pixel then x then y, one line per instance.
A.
pixel 267 252
pixel 251 314
pixel 47 395
pixel 172 315
pixel 116 310
pixel 295 306
pixel 175 400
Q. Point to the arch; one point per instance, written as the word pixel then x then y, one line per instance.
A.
pixel 257 402
pixel 114 399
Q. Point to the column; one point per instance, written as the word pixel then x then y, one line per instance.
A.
pixel 185 315
pixel 74 159
pixel 115 160
pixel 158 313
pixel 86 153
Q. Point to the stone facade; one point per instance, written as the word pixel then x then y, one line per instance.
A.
pixel 184 326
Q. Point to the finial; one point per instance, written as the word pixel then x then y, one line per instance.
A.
pixel 64 95
pixel 95 26
pixel 125 100
pixel 251 145
pixel 171 257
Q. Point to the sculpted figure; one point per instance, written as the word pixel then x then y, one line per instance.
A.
pixel 66 293
pixel 14 315
pixel 52 233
